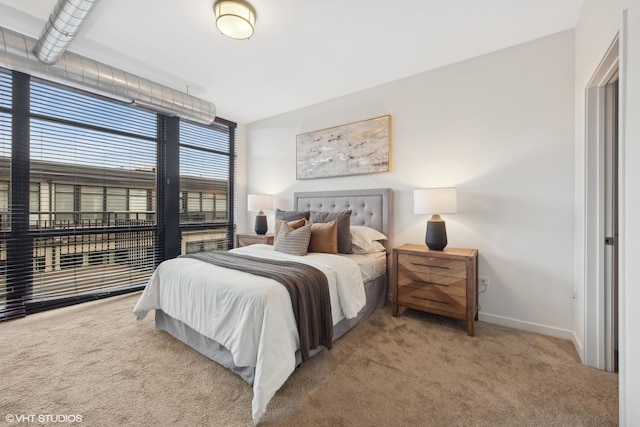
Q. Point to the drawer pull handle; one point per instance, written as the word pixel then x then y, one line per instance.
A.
pixel 429 299
pixel 428 265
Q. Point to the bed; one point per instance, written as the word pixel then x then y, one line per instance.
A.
pixel 250 331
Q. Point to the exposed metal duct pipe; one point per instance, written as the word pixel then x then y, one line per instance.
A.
pixel 62 27
pixel 16 53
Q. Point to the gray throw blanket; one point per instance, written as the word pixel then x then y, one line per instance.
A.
pixel 308 288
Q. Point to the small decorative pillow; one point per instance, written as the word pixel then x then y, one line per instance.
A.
pixel 366 240
pixel 293 242
pixel 324 237
pixel 292 215
pixel 344 223
pixel 294 224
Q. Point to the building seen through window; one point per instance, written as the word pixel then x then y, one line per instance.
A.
pixel 93 197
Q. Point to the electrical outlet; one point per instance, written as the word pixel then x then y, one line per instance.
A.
pixel 483 281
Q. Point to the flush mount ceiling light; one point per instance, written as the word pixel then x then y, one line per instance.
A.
pixel 235 18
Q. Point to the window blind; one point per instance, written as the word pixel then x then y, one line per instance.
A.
pixel 83 223
pixel 207 160
pixel 84 209
pixel 5 184
pixel 93 165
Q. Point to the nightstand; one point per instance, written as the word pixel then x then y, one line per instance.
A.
pixel 441 282
pixel 246 239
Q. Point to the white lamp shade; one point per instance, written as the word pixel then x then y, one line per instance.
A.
pixel 435 201
pixel 260 202
pixel 235 18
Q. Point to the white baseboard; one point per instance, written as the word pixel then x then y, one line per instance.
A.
pixel 578 345
pixel 528 326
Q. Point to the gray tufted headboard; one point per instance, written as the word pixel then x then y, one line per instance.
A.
pixel 370 207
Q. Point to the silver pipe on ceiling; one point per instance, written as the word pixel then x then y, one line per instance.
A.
pixel 61 28
pixel 16 53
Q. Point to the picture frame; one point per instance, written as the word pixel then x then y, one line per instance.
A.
pixel 356 148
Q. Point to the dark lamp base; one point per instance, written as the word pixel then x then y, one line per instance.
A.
pixel 261 224
pixel 436 237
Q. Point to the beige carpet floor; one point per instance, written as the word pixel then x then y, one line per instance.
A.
pixel 97 361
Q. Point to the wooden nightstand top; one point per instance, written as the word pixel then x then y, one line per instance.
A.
pixel 246 239
pixel 423 249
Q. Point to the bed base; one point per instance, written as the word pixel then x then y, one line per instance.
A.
pixel 376 297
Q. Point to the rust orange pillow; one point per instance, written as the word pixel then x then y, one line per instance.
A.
pixel 324 237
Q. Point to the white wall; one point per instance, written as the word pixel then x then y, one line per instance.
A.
pixel 630 291
pixel 597 27
pixel 500 128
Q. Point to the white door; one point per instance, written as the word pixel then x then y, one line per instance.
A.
pixel 601 215
pixel 611 223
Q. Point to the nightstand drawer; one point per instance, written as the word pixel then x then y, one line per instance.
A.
pixel 432 265
pixel 442 282
pixel 429 281
pixel 432 299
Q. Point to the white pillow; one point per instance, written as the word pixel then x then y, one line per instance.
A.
pixel 366 239
pixel 374 248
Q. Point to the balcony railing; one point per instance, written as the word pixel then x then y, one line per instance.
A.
pixel 62 220
pixel 202 216
pixel 66 263
pixel 73 220
pixel 76 263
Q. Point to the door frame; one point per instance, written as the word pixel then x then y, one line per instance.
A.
pixel 597 326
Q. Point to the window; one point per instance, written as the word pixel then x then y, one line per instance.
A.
pixel 5 182
pixel 34 204
pixel 91 206
pixel 4 205
pixel 206 184
pixel 63 207
pixel 116 205
pixel 88 218
pixel 98 155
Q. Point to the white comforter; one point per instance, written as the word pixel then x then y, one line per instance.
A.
pixel 250 315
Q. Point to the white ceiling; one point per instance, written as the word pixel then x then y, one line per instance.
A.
pixel 303 51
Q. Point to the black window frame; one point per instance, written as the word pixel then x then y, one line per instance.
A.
pixel 18 241
pixel 204 225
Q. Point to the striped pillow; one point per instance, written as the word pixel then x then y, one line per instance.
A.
pixel 293 241
pixel 294 224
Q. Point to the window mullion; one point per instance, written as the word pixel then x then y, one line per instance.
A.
pixel 19 247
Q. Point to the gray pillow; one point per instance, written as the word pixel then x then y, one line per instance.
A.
pixel 292 215
pixel 344 227
pixel 293 241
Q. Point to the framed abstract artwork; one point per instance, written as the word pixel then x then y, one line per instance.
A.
pixel 351 149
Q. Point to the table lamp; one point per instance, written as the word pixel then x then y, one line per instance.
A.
pixel 435 201
pixel 260 202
